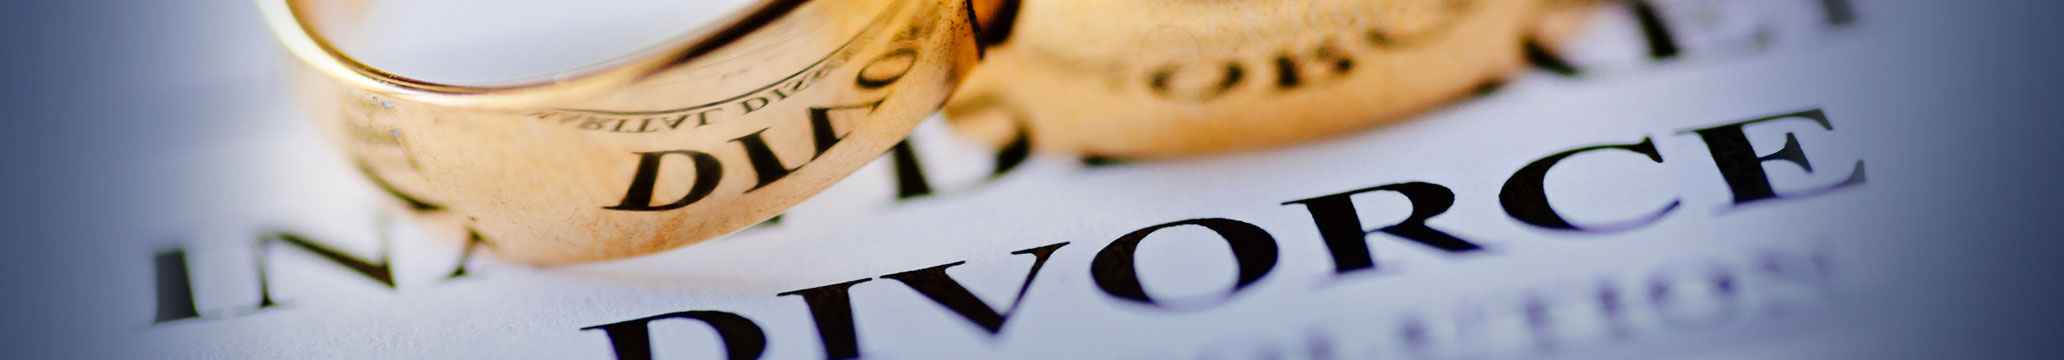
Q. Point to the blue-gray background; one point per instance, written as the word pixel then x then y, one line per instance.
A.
pixel 96 89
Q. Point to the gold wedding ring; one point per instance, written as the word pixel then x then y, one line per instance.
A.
pixel 1157 78
pixel 680 144
pixel 738 122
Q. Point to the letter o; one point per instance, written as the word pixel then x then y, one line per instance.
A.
pixel 1254 251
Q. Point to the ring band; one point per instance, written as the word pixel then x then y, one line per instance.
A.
pixel 684 143
pixel 1189 77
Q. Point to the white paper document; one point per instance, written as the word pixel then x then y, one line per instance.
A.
pixel 1777 184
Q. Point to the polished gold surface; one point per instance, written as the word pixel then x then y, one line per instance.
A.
pixel 736 123
pixel 670 147
pixel 1159 78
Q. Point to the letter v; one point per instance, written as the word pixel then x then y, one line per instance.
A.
pixel 933 283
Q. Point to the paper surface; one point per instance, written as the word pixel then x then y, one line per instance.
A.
pixel 1832 264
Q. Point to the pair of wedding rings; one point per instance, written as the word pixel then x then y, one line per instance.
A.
pixel 742 120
